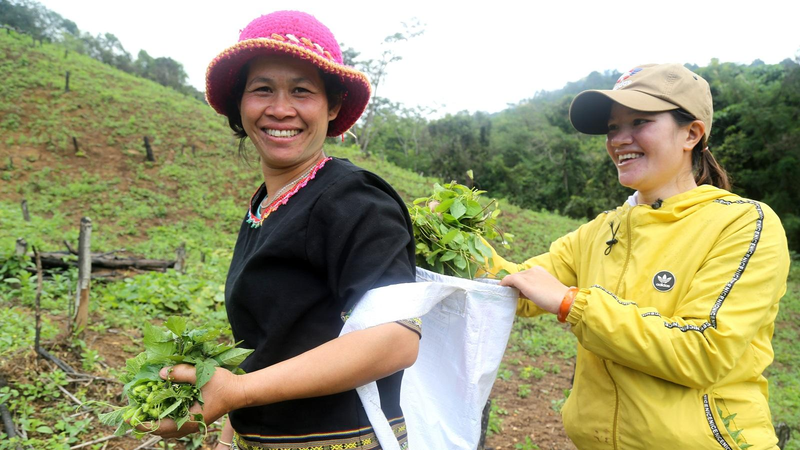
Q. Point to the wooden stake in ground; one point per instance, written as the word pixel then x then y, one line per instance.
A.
pixel 784 433
pixel 22 248
pixel 149 150
pixel 180 258
pixel 66 82
pixel 25 214
pixel 20 251
pixel 484 424
pixel 39 275
pixel 84 275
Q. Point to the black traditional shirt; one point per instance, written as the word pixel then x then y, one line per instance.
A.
pixel 293 280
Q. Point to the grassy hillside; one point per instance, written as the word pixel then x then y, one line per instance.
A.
pixel 195 193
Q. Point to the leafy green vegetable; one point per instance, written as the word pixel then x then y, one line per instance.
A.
pixel 150 398
pixel 449 228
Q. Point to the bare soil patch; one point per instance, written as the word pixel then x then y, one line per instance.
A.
pixel 536 416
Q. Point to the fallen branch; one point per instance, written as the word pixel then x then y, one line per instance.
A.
pixel 80 413
pixel 152 441
pixel 96 441
pixel 57 260
pixel 87 377
pixel 70 248
pixel 61 364
pixel 71 372
pixel 112 252
pixel 68 394
pixel 73 251
pixel 8 422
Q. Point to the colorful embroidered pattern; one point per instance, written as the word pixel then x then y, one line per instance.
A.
pixel 363 439
pixel 255 220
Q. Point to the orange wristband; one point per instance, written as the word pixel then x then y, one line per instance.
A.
pixel 566 304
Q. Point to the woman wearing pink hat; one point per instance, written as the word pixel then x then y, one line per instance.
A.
pixel 673 295
pixel 318 234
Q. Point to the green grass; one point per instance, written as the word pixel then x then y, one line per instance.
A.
pixel 784 373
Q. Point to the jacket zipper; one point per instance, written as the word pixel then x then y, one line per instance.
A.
pixel 605 363
pixel 616 405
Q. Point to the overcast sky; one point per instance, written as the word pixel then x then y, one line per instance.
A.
pixel 473 55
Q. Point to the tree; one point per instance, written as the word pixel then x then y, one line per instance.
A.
pixel 401 134
pixel 755 134
pixel 349 55
pixel 32 18
pixel 376 72
pixel 168 72
pixel 459 143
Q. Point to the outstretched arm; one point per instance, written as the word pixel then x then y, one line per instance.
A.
pixel 733 296
pixel 558 263
pixel 336 366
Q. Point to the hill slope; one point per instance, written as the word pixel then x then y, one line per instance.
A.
pixel 195 181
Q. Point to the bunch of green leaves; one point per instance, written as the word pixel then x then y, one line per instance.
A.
pixel 450 227
pixel 150 398
pixel 11 265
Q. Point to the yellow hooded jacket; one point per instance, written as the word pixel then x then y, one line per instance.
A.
pixel 674 319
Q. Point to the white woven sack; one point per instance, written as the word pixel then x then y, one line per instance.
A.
pixel 465 329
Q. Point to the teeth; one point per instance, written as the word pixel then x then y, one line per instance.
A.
pixel 282 133
pixel 628 156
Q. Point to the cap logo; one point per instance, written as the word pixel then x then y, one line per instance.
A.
pixel 664 281
pixel 624 80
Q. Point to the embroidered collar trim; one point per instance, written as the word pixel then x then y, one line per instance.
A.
pixel 256 220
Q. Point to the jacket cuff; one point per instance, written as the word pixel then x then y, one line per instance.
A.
pixel 576 312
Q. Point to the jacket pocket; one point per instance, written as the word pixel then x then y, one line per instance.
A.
pixel 717 429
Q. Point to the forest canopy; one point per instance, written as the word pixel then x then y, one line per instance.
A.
pixel 531 154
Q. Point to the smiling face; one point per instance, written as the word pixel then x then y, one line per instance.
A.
pixel 285 111
pixel 653 154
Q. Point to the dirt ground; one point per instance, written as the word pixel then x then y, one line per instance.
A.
pixel 115 347
pixel 536 415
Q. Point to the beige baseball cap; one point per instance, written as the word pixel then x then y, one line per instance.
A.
pixel 649 87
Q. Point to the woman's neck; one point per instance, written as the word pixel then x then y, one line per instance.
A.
pixel 664 192
pixel 277 179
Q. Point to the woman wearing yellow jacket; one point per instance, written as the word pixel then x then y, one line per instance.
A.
pixel 673 295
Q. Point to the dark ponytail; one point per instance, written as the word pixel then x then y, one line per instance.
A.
pixel 705 167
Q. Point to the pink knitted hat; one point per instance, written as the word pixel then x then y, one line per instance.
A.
pixel 302 36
